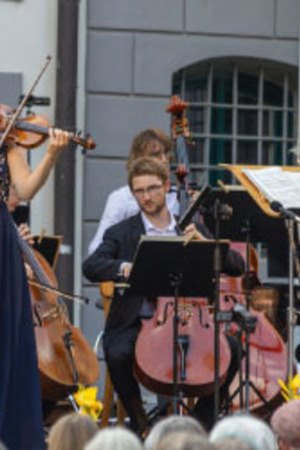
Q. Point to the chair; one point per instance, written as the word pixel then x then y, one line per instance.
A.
pixel 107 291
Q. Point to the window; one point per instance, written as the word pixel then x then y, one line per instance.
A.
pixel 241 111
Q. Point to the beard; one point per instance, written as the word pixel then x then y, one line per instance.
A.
pixel 152 208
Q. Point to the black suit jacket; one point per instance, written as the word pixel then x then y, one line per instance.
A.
pixel 119 244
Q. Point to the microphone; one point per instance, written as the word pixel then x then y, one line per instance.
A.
pixel 285 213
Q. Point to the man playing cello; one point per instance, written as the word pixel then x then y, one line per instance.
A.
pixel 149 183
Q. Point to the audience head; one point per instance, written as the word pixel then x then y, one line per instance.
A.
pixel 285 423
pixel 184 441
pixel 152 142
pixel 2 446
pixel 114 438
pixel 250 430
pixel 71 432
pixel 172 424
pixel 230 443
pixel 149 167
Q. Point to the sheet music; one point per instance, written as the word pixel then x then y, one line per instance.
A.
pixel 277 184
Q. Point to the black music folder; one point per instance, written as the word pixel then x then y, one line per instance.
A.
pixel 159 259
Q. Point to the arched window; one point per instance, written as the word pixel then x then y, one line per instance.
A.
pixel 241 111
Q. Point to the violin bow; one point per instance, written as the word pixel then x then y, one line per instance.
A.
pixel 24 101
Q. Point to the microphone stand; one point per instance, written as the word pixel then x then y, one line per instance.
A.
pixel 290 219
pixel 293 263
pixel 217 272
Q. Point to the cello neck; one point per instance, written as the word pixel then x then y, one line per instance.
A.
pixel 32 261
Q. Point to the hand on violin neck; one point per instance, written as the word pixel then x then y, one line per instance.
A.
pixel 58 140
pixel 191 233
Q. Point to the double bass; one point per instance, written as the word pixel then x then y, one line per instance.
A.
pixel 65 358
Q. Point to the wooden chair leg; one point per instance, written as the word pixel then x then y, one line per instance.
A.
pixel 107 292
pixel 108 399
pixel 121 414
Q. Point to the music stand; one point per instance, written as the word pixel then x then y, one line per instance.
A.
pixel 166 267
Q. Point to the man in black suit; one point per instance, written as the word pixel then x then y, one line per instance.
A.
pixel 149 183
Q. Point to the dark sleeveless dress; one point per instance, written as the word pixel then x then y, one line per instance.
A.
pixel 21 425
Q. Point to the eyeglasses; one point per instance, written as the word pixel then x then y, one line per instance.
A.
pixel 151 190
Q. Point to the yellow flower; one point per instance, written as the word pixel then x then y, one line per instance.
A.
pixel 86 399
pixel 290 391
pixel 295 383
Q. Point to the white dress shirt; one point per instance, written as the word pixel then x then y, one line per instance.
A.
pixel 152 230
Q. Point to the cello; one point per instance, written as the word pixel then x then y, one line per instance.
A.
pixel 65 358
pixel 195 361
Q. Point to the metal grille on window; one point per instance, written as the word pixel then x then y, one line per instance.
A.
pixel 240 112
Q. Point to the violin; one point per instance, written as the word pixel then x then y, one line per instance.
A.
pixel 32 130
pixel 65 358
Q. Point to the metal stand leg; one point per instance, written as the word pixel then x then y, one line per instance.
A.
pixel 290 311
pixel 175 281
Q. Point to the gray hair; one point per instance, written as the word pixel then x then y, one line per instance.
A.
pixel 184 440
pixel 114 438
pixel 172 424
pixel 232 443
pixel 254 432
pixel 2 446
